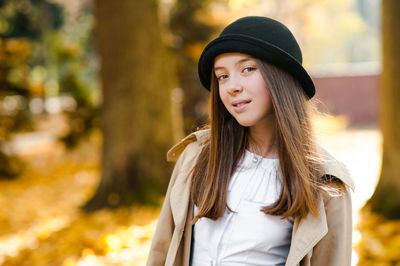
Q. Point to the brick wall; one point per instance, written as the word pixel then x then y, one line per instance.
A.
pixel 354 96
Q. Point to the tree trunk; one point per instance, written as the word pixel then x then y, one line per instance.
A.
pixel 386 199
pixel 136 116
pixel 193 34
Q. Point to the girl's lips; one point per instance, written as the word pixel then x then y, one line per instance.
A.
pixel 240 106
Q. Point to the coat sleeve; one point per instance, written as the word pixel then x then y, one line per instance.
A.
pixel 165 225
pixel 336 246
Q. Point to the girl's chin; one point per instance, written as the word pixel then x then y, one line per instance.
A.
pixel 245 123
pixel 249 120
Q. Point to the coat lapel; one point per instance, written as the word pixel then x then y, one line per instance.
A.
pixel 180 193
pixel 180 196
pixel 307 232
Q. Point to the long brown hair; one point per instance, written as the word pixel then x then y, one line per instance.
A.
pixel 299 162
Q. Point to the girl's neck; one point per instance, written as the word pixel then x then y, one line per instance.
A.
pixel 262 139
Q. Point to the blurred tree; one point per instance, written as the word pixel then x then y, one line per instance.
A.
pixel 136 119
pixel 75 58
pixel 22 24
pixel 47 54
pixel 190 23
pixel 386 199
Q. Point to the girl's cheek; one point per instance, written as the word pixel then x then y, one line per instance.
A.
pixel 223 93
pixel 223 96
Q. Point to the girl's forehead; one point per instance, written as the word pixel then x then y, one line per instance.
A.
pixel 230 58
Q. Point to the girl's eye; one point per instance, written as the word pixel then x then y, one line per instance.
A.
pixel 248 69
pixel 222 77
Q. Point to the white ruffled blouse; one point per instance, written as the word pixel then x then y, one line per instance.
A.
pixel 245 236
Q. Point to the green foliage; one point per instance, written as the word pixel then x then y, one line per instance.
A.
pixel 26 19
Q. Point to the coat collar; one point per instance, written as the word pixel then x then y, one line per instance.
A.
pixel 199 136
pixel 333 167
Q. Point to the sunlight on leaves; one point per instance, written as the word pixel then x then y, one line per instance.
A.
pixel 238 4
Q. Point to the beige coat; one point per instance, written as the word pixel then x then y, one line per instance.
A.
pixel 322 241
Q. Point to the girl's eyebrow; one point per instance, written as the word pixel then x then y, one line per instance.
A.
pixel 237 63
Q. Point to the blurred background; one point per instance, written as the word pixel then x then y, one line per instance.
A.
pixel 94 93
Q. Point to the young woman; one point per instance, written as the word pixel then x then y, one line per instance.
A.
pixel 254 188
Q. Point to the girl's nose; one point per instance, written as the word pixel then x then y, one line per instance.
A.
pixel 235 86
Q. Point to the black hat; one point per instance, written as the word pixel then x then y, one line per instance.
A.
pixel 263 38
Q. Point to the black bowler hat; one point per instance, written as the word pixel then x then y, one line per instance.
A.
pixel 262 38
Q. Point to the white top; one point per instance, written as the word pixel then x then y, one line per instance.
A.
pixel 246 236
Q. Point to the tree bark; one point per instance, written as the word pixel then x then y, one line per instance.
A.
pixel 136 116
pixel 386 198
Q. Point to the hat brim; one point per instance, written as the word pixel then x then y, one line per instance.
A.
pixel 237 43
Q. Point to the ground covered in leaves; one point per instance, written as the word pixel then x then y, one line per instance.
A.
pixel 379 243
pixel 41 223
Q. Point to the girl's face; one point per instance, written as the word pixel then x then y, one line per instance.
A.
pixel 242 89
